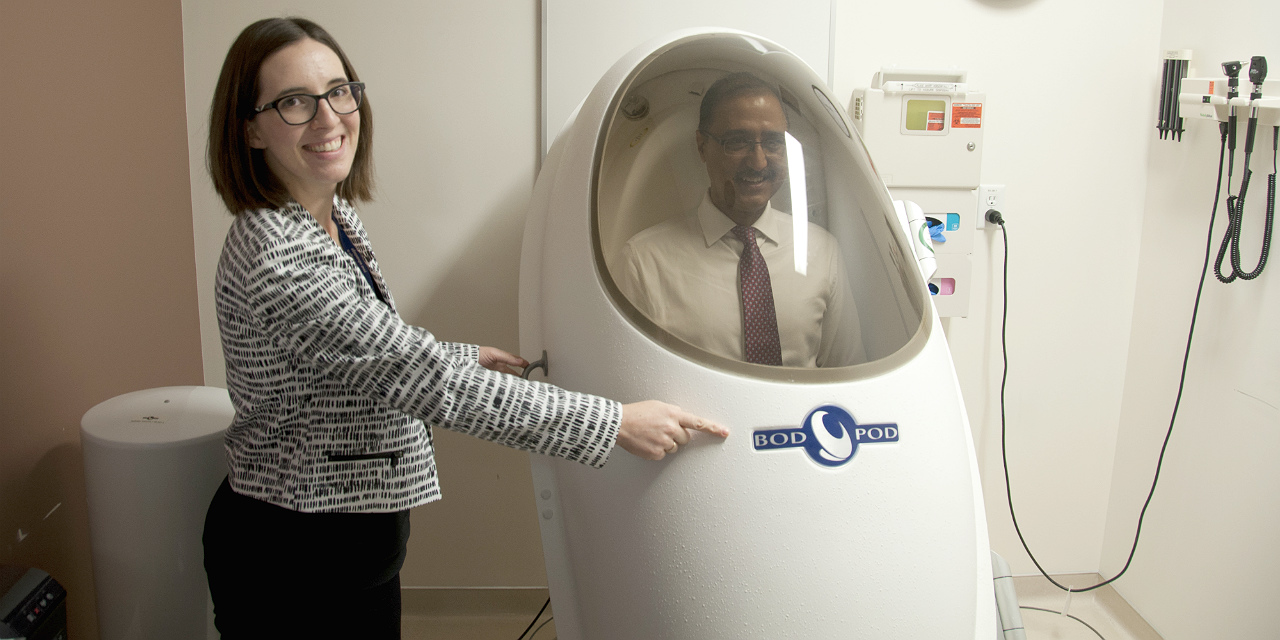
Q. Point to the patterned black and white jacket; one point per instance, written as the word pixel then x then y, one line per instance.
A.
pixel 331 388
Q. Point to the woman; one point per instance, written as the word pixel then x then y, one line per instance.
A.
pixel 328 449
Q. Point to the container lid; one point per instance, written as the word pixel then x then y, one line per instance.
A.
pixel 166 415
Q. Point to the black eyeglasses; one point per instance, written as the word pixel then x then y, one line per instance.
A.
pixel 301 108
pixel 772 145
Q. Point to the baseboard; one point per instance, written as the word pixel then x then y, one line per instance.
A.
pixel 1118 612
pixel 472 601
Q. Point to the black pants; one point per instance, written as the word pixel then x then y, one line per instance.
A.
pixel 277 573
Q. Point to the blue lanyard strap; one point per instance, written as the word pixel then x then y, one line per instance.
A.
pixel 364 268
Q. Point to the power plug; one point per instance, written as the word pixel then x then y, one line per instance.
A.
pixel 990 197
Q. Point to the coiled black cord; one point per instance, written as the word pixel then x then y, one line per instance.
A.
pixel 996 218
pixel 1235 215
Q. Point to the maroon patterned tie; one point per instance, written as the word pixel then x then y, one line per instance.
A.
pixel 759 320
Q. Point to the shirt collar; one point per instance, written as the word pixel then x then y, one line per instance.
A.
pixel 715 224
pixel 341 210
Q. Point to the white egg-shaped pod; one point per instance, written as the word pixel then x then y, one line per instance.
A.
pixel 846 501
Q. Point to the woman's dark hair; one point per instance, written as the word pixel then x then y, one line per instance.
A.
pixel 240 173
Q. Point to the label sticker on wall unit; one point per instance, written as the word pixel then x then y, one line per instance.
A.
pixel 829 435
pixel 966 115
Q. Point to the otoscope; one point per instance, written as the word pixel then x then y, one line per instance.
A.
pixel 1232 70
pixel 1257 73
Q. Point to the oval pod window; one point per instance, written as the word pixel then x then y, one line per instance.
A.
pixel 720 141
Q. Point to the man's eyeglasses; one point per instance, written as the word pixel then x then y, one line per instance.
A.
pixel 300 108
pixel 772 145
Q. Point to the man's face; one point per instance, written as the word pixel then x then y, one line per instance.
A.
pixel 743 181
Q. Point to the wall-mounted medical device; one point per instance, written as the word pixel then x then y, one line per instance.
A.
pixel 1207 98
pixel 924 129
pixel 1176 64
pixel 1221 99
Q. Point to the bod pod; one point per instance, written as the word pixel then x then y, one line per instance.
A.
pixel 846 501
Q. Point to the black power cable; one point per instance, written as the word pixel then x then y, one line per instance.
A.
pixel 544 623
pixel 535 619
pixel 995 218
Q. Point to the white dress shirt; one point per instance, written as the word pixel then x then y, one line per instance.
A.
pixel 683 274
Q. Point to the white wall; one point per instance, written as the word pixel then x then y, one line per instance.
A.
pixel 1206 563
pixel 583 38
pixel 1071 89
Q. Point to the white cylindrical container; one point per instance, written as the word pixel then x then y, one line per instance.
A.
pixel 152 461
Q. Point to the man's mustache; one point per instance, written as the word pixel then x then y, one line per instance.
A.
pixel 769 174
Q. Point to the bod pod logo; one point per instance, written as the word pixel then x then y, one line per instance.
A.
pixel 829 434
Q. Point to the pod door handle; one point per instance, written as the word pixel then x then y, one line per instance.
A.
pixel 540 364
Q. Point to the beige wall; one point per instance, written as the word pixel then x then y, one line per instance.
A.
pixel 96 251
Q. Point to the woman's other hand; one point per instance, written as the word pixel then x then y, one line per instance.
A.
pixel 496 359
pixel 653 430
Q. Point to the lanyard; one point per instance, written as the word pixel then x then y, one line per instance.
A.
pixel 364 268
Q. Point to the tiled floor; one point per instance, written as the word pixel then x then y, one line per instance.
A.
pixel 474 614
pixel 1101 613
pixel 482 614
pixel 471 628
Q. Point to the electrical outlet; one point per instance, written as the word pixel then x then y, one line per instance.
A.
pixel 990 196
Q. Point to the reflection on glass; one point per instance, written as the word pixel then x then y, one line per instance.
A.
pixel 735 276
pixel 799 202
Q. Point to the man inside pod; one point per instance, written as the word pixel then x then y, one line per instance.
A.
pixel 724 277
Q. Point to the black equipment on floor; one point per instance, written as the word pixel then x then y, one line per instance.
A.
pixel 32 605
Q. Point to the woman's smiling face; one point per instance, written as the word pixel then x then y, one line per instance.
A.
pixel 308 159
